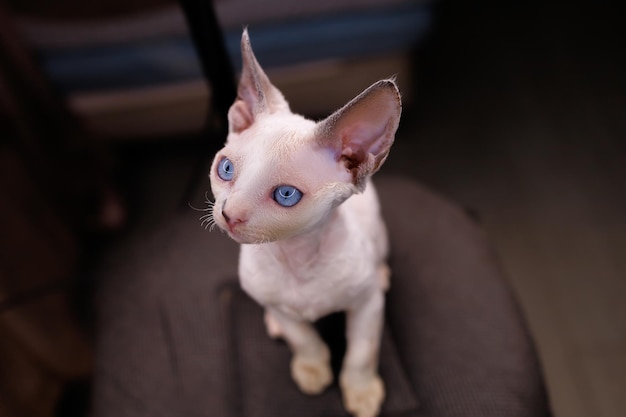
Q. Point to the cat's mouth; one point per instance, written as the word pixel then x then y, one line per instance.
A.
pixel 245 235
pixel 244 239
pixel 238 237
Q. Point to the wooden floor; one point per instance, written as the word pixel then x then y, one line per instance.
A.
pixel 521 115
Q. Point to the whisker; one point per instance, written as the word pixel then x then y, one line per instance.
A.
pixel 207 221
pixel 198 209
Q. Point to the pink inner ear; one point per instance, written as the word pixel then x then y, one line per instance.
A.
pixel 363 138
pixel 239 116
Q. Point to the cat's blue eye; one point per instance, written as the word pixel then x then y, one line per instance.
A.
pixel 225 169
pixel 287 195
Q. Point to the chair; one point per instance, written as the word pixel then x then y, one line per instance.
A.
pixel 177 336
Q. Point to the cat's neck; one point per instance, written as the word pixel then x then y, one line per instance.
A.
pixel 303 250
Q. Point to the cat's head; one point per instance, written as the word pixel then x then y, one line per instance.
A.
pixel 280 175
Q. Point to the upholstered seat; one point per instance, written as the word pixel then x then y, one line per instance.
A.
pixel 177 337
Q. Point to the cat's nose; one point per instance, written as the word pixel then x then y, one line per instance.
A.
pixel 230 220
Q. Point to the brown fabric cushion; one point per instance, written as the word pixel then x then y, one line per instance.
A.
pixel 453 317
pixel 178 337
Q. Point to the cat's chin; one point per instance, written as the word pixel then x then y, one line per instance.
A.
pixel 244 239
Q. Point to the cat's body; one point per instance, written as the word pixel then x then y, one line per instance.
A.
pixel 297 195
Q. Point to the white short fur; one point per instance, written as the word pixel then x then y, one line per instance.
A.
pixel 326 253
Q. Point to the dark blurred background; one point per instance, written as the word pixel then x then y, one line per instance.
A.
pixel 514 110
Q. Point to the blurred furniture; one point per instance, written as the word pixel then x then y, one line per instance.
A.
pixel 54 197
pixel 130 70
pixel 177 336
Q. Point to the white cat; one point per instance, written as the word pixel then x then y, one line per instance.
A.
pixel 296 194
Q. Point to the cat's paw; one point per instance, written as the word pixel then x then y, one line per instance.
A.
pixel 362 397
pixel 272 326
pixel 311 373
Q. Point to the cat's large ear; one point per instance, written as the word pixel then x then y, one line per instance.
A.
pixel 255 94
pixel 361 133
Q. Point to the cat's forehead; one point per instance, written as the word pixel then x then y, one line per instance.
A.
pixel 281 158
pixel 281 150
pixel 282 136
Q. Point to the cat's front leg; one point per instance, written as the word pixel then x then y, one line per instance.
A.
pixel 361 386
pixel 310 363
pixel 272 326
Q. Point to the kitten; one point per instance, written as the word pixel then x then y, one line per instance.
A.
pixel 297 196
